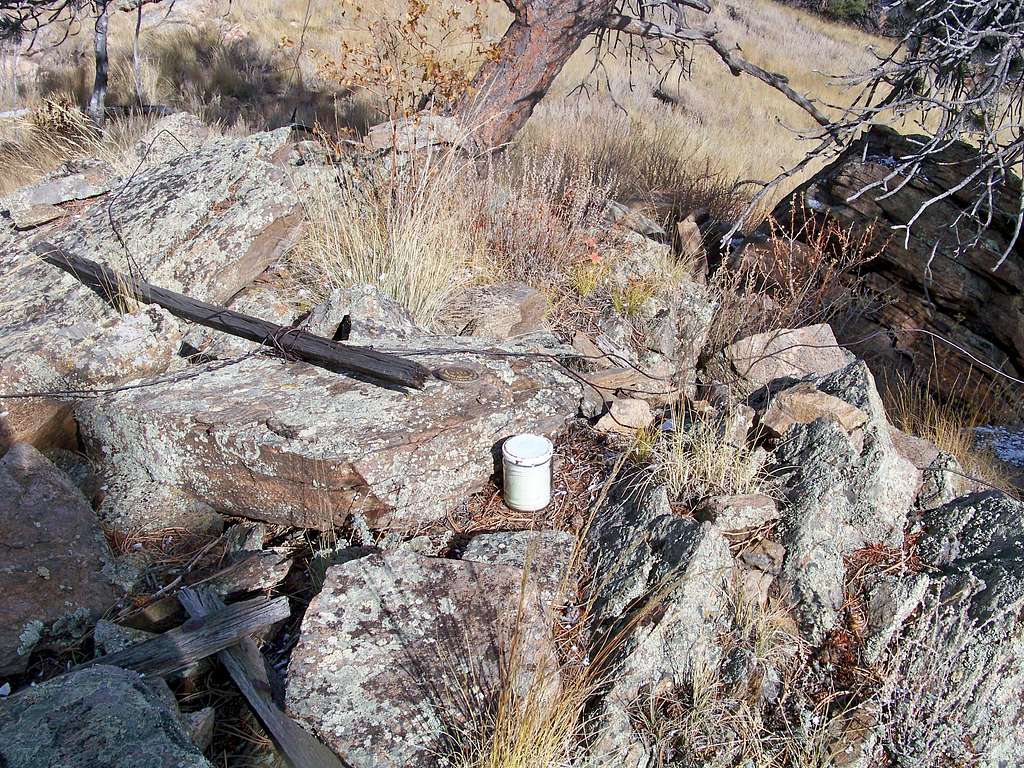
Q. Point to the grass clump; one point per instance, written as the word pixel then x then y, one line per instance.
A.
pixel 950 425
pixel 408 233
pixel 693 460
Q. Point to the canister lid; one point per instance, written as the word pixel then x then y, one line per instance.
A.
pixel 527 450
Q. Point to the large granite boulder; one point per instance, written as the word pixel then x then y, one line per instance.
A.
pixel 400 653
pixel 846 485
pixel 294 444
pixel 100 716
pixel 205 223
pixel 922 284
pixel 53 559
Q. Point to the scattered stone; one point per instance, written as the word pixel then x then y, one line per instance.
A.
pixel 99 716
pixel 796 353
pixel 497 312
pixel 52 575
pixel 294 444
pixel 200 726
pixel 109 637
pixel 75 180
pixel 632 219
pixel 417 132
pixel 393 645
pixel 737 513
pixel 804 403
pixel 626 416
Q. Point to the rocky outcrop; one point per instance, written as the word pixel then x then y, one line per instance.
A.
pixel 294 444
pixel 53 557
pixel 97 716
pixel 205 223
pixel 400 654
pixel 844 489
pixel 962 298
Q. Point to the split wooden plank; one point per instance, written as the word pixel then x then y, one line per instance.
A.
pixel 245 664
pixel 332 355
pixel 251 572
pixel 198 638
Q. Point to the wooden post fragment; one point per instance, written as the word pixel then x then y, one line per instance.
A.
pixel 196 639
pixel 245 664
pixel 332 355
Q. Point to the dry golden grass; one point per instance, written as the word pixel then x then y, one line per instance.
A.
pixel 950 426
pixel 693 460
pixel 408 233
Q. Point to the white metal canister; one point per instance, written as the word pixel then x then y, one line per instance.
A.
pixel 526 461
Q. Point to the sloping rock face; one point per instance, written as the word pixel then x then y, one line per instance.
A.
pixel 205 224
pixel 396 648
pixel 101 716
pixel 844 490
pixel 974 547
pixel 963 299
pixel 293 444
pixel 51 558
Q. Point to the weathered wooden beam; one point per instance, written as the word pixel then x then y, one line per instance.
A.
pixel 332 355
pixel 254 571
pixel 245 664
pixel 197 638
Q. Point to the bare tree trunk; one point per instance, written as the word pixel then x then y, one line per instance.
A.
pixel 538 43
pixel 98 100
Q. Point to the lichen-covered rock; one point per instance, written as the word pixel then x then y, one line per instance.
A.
pixel 205 224
pixel 397 648
pixel 100 716
pixel 359 314
pixel 669 572
pixel 760 359
pixel 294 444
pixel 170 138
pixel 499 311
pixel 842 491
pixel 977 543
pixel 53 556
pixel 77 179
pixel 548 553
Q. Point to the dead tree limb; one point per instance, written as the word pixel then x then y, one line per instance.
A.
pixel 544 34
pixel 245 664
pixel 198 638
pixel 334 356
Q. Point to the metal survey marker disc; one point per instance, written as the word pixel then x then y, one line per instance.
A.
pixel 456 373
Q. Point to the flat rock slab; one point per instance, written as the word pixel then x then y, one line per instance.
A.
pixel 396 648
pixel 792 353
pixel 101 716
pixel 52 554
pixel 293 444
pixel 205 224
